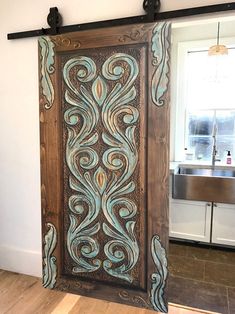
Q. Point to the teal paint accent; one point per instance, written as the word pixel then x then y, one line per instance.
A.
pixel 81 157
pixel 161 53
pixel 47 68
pixel 50 268
pixel 94 188
pixel 159 278
pixel 123 156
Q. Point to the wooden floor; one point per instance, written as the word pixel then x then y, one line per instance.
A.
pixel 21 294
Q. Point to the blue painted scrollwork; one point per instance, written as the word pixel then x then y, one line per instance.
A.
pixel 94 192
pixel 122 155
pixel 49 269
pixel 47 68
pixel 161 54
pixel 80 158
pixel 159 278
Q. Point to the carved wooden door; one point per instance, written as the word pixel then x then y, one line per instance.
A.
pixel 104 118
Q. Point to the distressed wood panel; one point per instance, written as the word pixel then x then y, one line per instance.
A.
pixel 104 143
pixel 108 149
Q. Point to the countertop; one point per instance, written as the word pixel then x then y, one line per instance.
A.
pixel 174 165
pixel 191 164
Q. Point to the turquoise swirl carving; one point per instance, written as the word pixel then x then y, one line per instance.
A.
pixel 81 157
pixel 102 182
pixel 121 158
pixel 47 68
pixel 161 53
pixel 159 278
pixel 49 269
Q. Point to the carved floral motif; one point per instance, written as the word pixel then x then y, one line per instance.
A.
pixel 50 269
pixel 136 34
pixel 161 53
pixel 136 299
pixel 158 278
pixel 64 41
pixel 47 69
pixel 94 192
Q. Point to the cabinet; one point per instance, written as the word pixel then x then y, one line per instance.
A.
pixel 202 221
pixel 223 224
pixel 190 220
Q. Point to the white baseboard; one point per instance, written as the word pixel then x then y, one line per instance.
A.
pixel 20 261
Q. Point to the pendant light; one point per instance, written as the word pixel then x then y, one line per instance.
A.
pixel 218 50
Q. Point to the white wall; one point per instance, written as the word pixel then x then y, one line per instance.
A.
pixel 20 241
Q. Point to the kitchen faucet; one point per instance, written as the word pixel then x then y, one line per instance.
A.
pixel 214 150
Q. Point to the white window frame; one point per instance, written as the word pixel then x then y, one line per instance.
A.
pixel 181 90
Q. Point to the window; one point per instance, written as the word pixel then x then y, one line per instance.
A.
pixel 199 133
pixel 206 103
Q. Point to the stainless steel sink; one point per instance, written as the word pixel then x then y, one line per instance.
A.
pixel 207 172
pixel 204 184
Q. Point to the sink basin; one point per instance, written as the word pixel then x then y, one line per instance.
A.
pixel 207 172
pixel 204 184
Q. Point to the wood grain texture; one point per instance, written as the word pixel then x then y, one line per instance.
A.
pixel 32 298
pixel 158 169
pixel 132 285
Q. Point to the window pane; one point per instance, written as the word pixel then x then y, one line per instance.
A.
pixel 211 80
pixel 201 146
pixel 225 121
pixel 223 144
pixel 210 98
pixel 200 123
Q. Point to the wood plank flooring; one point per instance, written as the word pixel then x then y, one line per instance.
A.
pixel 21 294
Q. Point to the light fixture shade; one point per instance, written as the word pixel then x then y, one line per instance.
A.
pixel 218 50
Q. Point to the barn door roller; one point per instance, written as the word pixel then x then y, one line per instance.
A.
pixel 151 7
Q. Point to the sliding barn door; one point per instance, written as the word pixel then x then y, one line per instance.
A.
pixel 104 163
